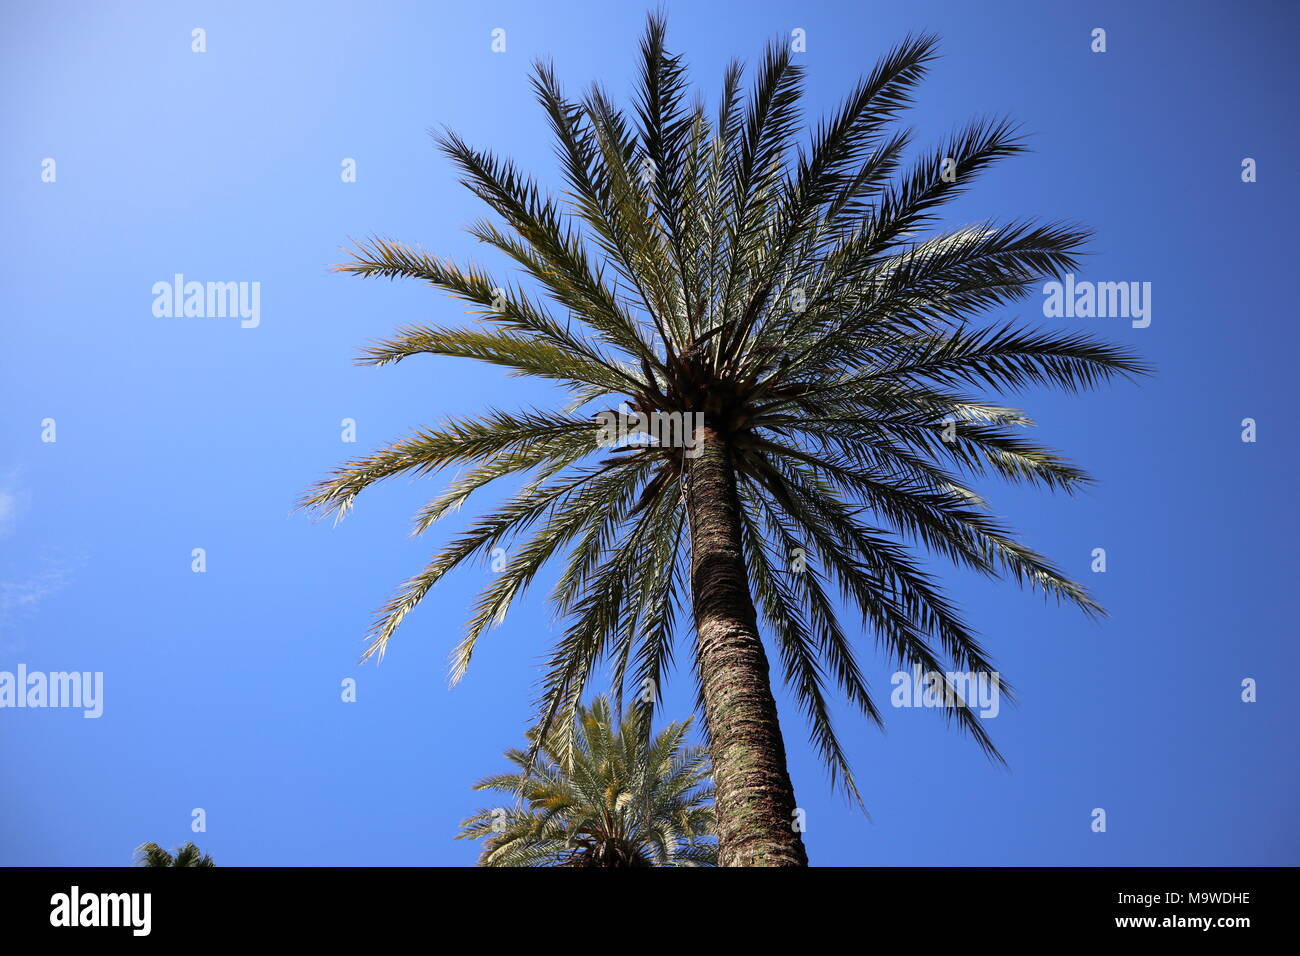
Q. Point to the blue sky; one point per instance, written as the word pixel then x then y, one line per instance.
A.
pixel 222 689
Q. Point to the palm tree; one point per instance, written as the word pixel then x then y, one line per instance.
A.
pixel 615 798
pixel 800 296
pixel 151 854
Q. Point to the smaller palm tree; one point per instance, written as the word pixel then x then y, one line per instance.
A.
pixel 621 799
pixel 151 854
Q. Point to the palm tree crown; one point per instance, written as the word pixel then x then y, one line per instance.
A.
pixel 616 798
pixel 151 854
pixel 797 292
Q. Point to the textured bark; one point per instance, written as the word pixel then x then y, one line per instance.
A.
pixel 754 797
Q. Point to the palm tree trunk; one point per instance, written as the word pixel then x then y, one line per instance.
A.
pixel 754 797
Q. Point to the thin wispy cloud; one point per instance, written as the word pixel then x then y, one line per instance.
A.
pixel 8 512
pixel 21 596
pixel 23 587
pixel 16 596
pixel 13 501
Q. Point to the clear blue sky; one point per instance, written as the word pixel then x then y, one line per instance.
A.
pixel 222 689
